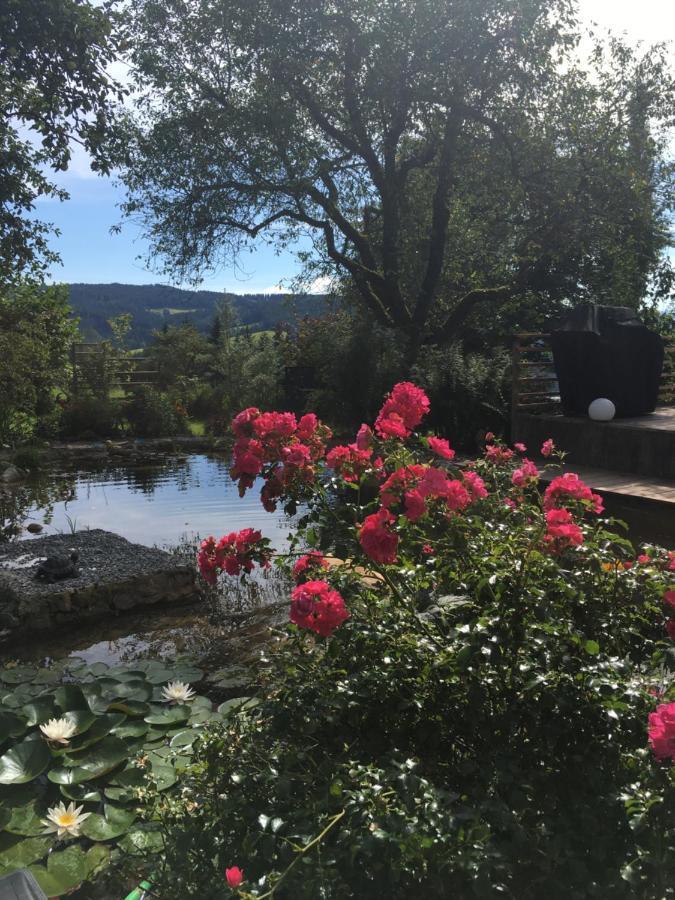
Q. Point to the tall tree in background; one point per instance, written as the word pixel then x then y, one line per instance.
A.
pixel 444 154
pixel 54 90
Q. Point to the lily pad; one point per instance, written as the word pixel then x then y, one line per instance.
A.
pixel 103 758
pixel 40 710
pixel 184 738
pixel 11 726
pixel 18 674
pixel 115 821
pixel 27 820
pixel 70 696
pixel 236 704
pixel 81 793
pixel 17 852
pixel 131 690
pixel 24 762
pixel 102 726
pixel 142 841
pixel 131 729
pixel 82 719
pixel 130 707
pixel 65 870
pixel 171 715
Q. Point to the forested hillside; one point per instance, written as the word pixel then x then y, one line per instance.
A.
pixel 151 305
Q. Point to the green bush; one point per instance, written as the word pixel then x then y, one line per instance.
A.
pixel 478 726
pixel 151 414
pixel 87 417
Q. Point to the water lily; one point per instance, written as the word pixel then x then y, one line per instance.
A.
pixel 64 820
pixel 59 730
pixel 178 691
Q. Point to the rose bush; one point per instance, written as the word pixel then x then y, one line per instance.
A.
pixel 474 697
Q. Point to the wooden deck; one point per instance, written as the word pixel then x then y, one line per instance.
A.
pixel 647 505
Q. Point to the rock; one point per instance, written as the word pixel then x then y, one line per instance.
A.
pixel 113 575
pixel 34 528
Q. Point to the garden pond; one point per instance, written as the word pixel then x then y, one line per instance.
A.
pixel 170 503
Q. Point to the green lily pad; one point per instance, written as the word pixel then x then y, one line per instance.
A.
pixel 131 729
pixel 142 841
pixel 201 717
pixel 184 738
pixel 70 696
pixel 236 704
pixel 18 674
pixel 82 719
pixel 126 674
pixel 102 758
pixel 65 870
pixel 102 726
pixel 164 776
pixel 26 820
pixel 40 710
pixel 172 715
pixel 11 726
pixel 131 690
pixel 115 821
pixel 161 676
pixel 24 762
pixel 81 793
pixel 130 707
pixel 17 852
pixel 47 676
pixel 5 817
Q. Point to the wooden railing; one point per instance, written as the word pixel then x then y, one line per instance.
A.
pixel 534 382
pixel 93 364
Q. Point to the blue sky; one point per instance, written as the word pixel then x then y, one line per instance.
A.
pixel 90 253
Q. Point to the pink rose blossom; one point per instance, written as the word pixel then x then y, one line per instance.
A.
pixel 364 437
pixel 489 437
pixel 526 475
pixel 496 454
pixel 521 448
pixel 312 562
pixel 348 461
pixel 474 485
pixel 661 731
pixel 415 507
pixel 669 598
pixel 377 539
pixel 569 487
pixel 561 531
pixel 315 606
pixel 441 448
pixel 234 877
pixel 402 411
pixel 547 447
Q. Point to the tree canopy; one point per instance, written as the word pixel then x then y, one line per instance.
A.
pixel 441 153
pixel 54 90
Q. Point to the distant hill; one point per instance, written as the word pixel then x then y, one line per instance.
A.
pixel 151 305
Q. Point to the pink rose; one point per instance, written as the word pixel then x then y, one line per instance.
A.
pixel 377 539
pixel 547 447
pixel 441 447
pixel 234 876
pixel 661 731
pixel 315 606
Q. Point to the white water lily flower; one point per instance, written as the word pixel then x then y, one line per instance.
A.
pixel 178 691
pixel 64 820
pixel 59 730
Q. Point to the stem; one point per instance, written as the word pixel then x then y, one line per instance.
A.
pixel 300 851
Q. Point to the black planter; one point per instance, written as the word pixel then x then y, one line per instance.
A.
pixel 606 351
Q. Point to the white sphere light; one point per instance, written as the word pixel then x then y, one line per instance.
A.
pixel 601 410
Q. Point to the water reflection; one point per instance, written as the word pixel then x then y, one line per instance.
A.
pixel 161 503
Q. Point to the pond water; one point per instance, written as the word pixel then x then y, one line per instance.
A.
pixel 163 504
pixel 175 501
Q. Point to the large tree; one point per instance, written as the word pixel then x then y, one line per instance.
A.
pixel 441 153
pixel 54 91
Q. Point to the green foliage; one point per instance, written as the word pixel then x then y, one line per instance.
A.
pixel 152 414
pixel 92 417
pixel 477 728
pixel 126 737
pixel 54 56
pixel 36 332
pixel 441 156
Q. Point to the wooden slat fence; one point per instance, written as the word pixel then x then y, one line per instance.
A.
pixel 95 364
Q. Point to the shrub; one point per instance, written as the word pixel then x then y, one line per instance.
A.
pixel 91 417
pixel 151 414
pixel 461 705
